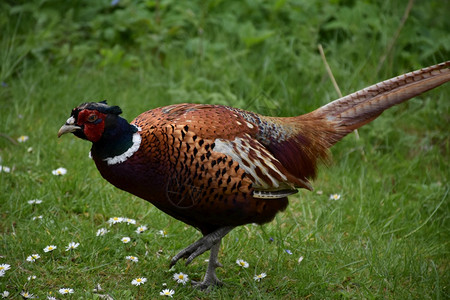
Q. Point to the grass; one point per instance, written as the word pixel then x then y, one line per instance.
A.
pixel 386 237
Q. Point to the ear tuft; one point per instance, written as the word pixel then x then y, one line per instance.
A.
pixel 114 110
pixel 111 109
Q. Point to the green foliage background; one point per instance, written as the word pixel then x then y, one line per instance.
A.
pixel 388 236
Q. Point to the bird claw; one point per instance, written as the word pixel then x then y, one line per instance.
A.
pixel 202 245
pixel 193 250
pixel 208 242
pixel 205 284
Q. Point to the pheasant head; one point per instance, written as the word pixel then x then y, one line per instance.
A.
pixel 91 120
pixel 101 124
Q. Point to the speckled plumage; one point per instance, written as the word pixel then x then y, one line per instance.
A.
pixel 217 167
pixel 186 177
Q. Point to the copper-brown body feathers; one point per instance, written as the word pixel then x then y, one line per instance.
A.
pixel 212 166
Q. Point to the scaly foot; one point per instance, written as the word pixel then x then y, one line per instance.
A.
pixel 202 245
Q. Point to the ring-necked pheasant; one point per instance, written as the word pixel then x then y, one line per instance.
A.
pixel 217 167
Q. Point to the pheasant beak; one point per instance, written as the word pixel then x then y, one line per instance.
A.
pixel 68 127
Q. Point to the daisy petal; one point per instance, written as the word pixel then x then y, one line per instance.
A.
pixel 242 263
pixel 167 292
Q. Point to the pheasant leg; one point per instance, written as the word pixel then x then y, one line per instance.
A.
pixel 210 276
pixel 202 245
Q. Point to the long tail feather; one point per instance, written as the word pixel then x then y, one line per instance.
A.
pixel 314 133
pixel 355 110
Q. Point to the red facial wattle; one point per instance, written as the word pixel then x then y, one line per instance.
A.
pixel 93 123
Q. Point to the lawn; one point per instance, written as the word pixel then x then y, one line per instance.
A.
pixel 388 234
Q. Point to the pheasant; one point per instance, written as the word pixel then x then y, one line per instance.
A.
pixel 216 167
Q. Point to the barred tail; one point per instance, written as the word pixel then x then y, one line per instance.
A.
pixel 312 134
pixel 355 110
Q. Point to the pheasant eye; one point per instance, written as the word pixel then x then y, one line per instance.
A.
pixel 92 118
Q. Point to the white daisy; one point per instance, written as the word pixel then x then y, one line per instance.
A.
pixel 51 298
pixel 167 292
pixel 30 149
pixel 33 257
pixel 5 294
pixel 132 258
pixel 242 263
pixel 138 281
pixel 22 138
pixel 115 220
pixel 50 248
pixel 72 245
pixel 163 233
pixel 181 278
pixel 59 172
pixel 130 221
pixel 27 295
pixel 5 267
pixel 37 217
pixel 260 276
pixel 5 169
pixel 31 277
pixel 141 229
pixel 125 240
pixel 335 197
pixel 102 231
pixel 64 291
